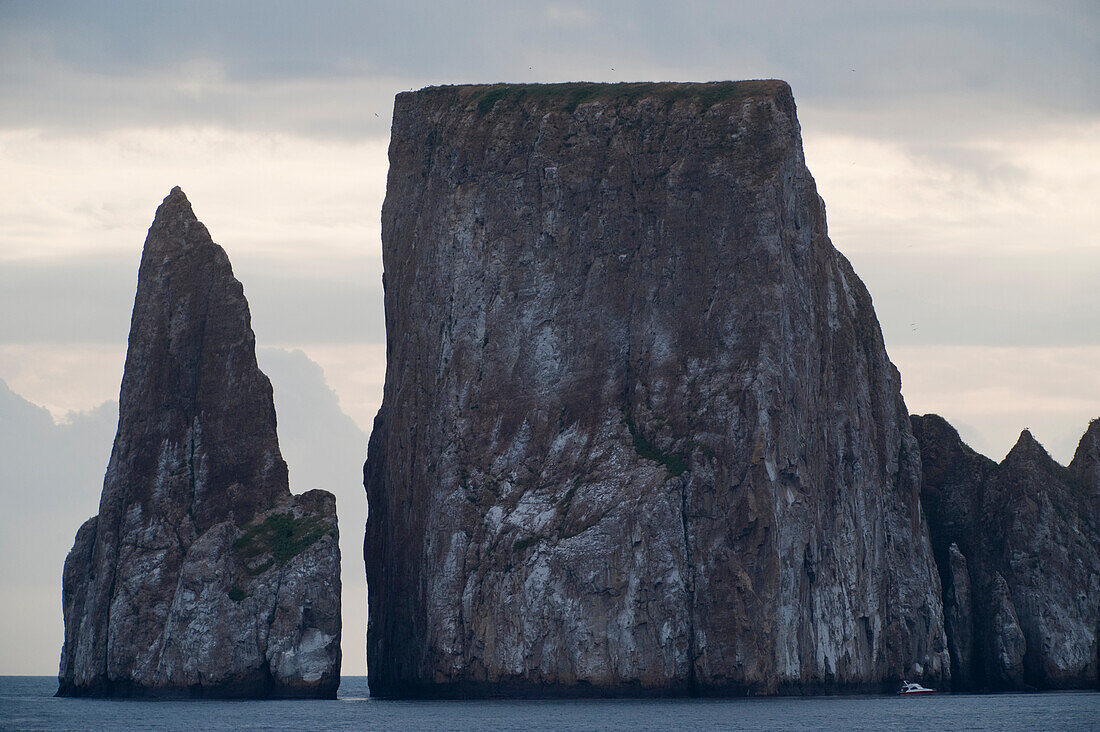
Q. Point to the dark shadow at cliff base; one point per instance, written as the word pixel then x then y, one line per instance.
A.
pixel 261 687
pixel 525 690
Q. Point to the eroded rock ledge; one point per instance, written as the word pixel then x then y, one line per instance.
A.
pixel 202 576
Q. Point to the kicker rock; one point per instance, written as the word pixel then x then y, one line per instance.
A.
pixel 1027 530
pixel 639 431
pixel 202 575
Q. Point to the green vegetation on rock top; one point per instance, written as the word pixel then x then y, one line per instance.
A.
pixel 281 535
pixel 569 96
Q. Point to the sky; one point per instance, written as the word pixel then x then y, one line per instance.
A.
pixel 956 146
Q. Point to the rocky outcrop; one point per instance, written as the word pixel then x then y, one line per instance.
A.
pixel 202 575
pixel 1027 529
pixel 639 431
pixel 958 611
pixel 1085 469
pixel 1006 642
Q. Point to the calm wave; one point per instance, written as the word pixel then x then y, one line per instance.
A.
pixel 26 702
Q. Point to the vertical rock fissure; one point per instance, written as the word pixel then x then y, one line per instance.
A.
pixel 105 679
pixel 688 557
pixel 264 651
pixel 191 472
pixel 166 635
pixel 106 630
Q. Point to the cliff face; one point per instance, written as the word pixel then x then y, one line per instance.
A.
pixel 1027 529
pixel 639 432
pixel 202 575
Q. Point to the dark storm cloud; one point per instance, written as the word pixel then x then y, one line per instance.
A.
pixel 329 67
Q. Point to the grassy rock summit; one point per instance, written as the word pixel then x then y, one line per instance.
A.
pixel 202 575
pixel 1018 548
pixel 639 432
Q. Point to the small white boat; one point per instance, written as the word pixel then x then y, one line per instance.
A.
pixel 909 687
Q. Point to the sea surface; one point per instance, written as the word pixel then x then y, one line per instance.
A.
pixel 27 702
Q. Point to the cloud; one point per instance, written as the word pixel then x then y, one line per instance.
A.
pixel 272 194
pixel 567 15
pixel 356 372
pixel 1010 191
pixel 328 68
pixel 984 297
pixel 88 300
pixel 50 476
pixel 65 378
pixel 992 240
pixel 54 97
pixel 991 393
pixel 298 217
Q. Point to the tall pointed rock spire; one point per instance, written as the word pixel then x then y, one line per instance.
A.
pixel 191 380
pixel 174 587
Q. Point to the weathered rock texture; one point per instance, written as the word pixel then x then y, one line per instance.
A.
pixel 202 575
pixel 1019 556
pixel 639 432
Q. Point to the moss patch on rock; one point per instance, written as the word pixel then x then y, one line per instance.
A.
pixel 674 464
pixel 281 535
pixel 570 95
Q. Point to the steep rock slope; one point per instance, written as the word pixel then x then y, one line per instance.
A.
pixel 1019 556
pixel 639 432
pixel 202 575
pixel 1085 469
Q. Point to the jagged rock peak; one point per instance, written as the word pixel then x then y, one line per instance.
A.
pixel 1028 530
pixel 633 395
pixel 175 208
pixel 1092 435
pixel 191 372
pixel 943 450
pixel 177 197
pixel 933 421
pixel 1028 448
pixel 202 574
pixel 1086 459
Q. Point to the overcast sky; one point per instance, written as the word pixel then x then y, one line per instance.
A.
pixel 956 145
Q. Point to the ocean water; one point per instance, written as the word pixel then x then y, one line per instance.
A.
pixel 27 702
